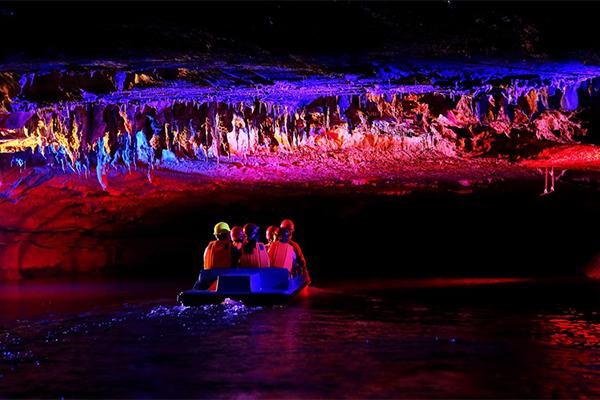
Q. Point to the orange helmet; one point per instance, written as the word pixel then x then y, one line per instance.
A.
pixel 287 224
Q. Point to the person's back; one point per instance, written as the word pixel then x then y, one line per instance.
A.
pixel 218 252
pixel 282 255
pixel 300 262
pixel 258 257
pixel 254 253
pixel 237 241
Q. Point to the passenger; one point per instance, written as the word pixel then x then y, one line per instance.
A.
pixel 300 264
pixel 271 235
pixel 237 241
pixel 237 237
pixel 254 253
pixel 218 252
pixel 281 253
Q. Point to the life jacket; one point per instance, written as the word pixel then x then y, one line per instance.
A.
pixel 217 254
pixel 282 255
pixel 259 257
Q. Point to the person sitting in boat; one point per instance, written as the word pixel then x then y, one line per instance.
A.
pixel 270 235
pixel 254 253
pixel 237 241
pixel 218 253
pixel 300 264
pixel 281 253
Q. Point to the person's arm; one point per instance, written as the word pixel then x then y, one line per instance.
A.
pixel 295 266
pixel 204 258
pixel 299 256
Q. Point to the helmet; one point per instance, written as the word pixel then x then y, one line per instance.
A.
pixel 271 233
pixel 221 227
pixel 287 224
pixel 283 235
pixel 237 234
pixel 251 231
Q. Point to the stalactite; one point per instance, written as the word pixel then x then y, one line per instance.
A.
pixel 146 130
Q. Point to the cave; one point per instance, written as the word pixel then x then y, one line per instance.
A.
pixel 440 162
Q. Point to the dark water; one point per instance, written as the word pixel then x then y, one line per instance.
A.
pixel 381 338
pixel 398 334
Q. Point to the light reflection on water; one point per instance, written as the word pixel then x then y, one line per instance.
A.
pixel 517 339
pixel 573 329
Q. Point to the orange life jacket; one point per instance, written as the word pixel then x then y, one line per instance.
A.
pixel 217 254
pixel 282 255
pixel 259 257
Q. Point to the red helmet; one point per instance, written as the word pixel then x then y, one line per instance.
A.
pixel 287 224
pixel 271 232
pixel 237 234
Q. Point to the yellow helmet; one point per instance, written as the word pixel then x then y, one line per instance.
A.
pixel 221 227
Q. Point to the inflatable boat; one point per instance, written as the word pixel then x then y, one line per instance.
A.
pixel 249 285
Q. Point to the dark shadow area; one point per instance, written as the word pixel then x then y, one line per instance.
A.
pixel 344 236
pixel 433 28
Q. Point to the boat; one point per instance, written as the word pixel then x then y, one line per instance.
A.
pixel 248 285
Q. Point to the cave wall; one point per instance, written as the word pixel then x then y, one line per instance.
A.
pixel 65 131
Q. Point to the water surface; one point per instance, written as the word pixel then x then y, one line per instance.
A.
pixel 383 338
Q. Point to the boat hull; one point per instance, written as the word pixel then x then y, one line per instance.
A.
pixel 248 285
